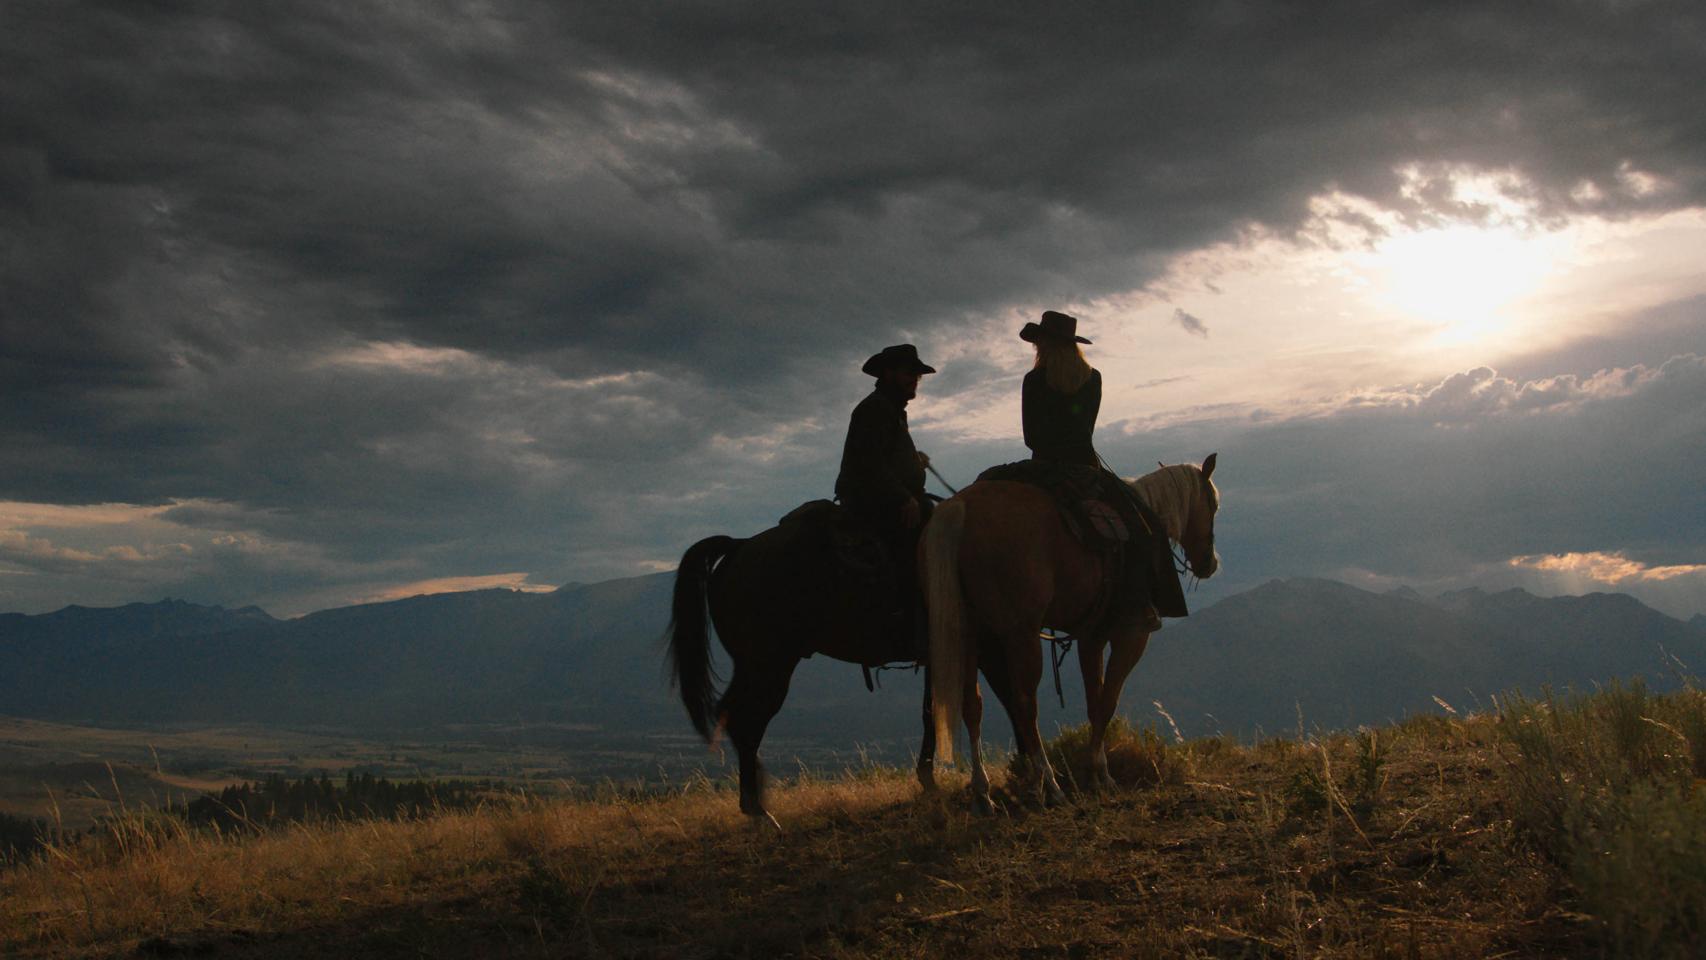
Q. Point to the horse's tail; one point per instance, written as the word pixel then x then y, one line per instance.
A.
pixel 689 640
pixel 946 603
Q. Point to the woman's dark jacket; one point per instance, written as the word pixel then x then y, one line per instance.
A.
pixel 1058 425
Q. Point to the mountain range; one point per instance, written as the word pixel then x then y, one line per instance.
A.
pixel 1315 652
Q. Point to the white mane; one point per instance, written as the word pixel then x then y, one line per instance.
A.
pixel 1172 492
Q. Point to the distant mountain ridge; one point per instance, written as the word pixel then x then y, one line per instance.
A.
pixel 1333 655
pixel 167 618
pixel 1318 651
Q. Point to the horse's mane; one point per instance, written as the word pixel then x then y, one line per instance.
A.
pixel 1172 491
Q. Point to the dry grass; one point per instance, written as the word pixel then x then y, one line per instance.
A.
pixel 1609 787
pixel 1405 842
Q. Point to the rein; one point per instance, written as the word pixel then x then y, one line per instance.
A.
pixel 1062 646
pixel 940 479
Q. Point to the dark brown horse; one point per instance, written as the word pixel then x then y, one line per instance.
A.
pixel 773 600
pixel 999 565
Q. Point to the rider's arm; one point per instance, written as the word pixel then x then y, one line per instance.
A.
pixel 1030 407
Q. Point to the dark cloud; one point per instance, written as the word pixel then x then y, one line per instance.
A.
pixel 1190 324
pixel 651 243
pixel 630 184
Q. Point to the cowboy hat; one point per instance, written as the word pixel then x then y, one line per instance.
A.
pixel 901 355
pixel 1055 326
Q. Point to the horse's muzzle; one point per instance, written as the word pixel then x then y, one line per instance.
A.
pixel 1204 567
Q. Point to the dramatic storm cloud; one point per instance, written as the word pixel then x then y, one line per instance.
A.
pixel 306 303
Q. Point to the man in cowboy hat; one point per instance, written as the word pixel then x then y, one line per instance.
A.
pixel 882 473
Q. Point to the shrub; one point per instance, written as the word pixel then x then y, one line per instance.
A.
pixel 1136 755
pixel 1607 785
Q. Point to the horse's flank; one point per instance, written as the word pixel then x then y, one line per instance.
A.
pixel 1017 568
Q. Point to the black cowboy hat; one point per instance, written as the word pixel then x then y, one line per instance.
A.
pixel 902 355
pixel 1055 326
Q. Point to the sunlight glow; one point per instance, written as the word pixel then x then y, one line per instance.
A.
pixel 1360 309
pixel 418 588
pixel 1460 279
pixel 1604 567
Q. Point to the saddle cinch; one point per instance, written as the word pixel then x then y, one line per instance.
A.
pixel 1102 513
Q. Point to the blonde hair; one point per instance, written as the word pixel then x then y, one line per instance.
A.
pixel 1063 365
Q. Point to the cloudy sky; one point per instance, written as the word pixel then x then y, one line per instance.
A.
pixel 303 304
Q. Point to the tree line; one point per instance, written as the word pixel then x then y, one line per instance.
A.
pixel 273 802
pixel 278 800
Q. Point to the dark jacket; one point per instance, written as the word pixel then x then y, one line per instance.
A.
pixel 1058 425
pixel 879 464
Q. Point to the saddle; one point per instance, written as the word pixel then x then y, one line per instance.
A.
pixel 1104 515
pixel 861 582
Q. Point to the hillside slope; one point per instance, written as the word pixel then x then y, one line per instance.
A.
pixel 1440 837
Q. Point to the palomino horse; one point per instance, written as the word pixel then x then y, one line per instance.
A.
pixel 773 601
pixel 999 565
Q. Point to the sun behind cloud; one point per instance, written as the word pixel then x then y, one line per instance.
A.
pixel 1460 279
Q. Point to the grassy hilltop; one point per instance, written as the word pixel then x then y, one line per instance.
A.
pixel 1549 828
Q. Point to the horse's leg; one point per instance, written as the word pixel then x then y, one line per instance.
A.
pixel 1129 640
pixel 927 747
pixel 1024 663
pixel 972 713
pixel 1090 650
pixel 755 694
pixel 992 660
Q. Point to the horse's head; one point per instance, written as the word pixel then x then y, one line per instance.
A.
pixel 1186 500
pixel 1197 536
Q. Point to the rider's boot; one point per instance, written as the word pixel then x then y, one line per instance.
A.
pixel 1137 579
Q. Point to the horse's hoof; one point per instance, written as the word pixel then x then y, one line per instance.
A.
pixel 927 779
pixel 982 805
pixel 753 806
pixel 760 817
pixel 1104 783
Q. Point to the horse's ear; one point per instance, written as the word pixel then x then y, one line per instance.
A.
pixel 1208 465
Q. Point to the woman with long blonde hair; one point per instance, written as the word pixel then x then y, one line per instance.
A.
pixel 1062 393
